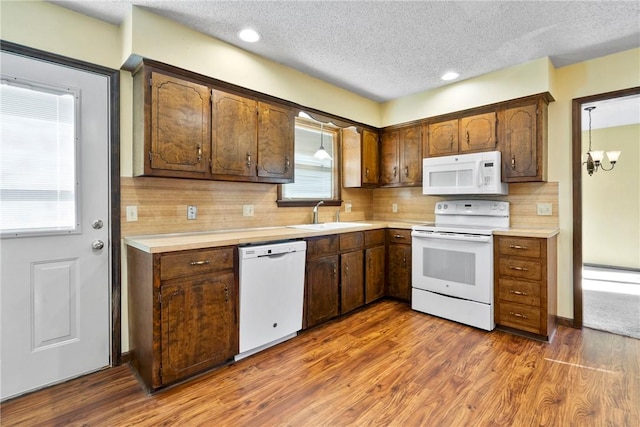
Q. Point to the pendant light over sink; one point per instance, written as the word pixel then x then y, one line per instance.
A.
pixel 594 158
pixel 322 153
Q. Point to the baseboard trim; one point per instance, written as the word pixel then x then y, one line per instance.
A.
pixel 564 321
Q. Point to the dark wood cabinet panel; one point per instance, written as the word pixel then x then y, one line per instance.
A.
pixel 276 126
pixel 443 138
pixel 179 127
pixel 520 151
pixel 478 133
pixel 370 158
pixel 197 323
pixel 401 154
pixel 398 264
pixel 411 155
pixel 389 157
pixel 374 276
pixel 235 123
pixel 351 281
pixel 322 290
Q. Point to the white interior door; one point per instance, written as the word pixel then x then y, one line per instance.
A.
pixel 54 219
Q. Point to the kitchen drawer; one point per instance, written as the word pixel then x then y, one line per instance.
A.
pixel 322 246
pixel 374 237
pixel 519 291
pixel 399 235
pixel 520 316
pixel 523 247
pixel 351 241
pixel 524 269
pixel 189 263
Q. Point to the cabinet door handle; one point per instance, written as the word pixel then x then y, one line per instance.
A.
pixel 524 294
pixel 518 268
pixel 226 293
pixel 513 162
pixel 522 316
pixel 518 247
pixel 286 164
pixel 366 172
pixel 406 171
pixel 395 171
pixel 404 261
pixel 467 138
pixel 335 269
pixel 248 160
pixel 203 262
pixel 199 153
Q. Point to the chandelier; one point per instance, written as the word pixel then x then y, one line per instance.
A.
pixel 594 158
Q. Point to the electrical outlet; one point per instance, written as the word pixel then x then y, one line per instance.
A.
pixel 394 208
pixel 132 213
pixel 247 210
pixel 192 212
pixel 544 209
pixel 347 207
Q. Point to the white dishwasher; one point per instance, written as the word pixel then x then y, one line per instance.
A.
pixel 271 294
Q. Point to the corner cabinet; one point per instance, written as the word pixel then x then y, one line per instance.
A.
pixel 374 268
pixel 188 128
pixel 401 157
pixel 524 141
pixel 360 158
pixel 526 284
pixel 183 312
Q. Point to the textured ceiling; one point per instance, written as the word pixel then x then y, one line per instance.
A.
pixel 384 50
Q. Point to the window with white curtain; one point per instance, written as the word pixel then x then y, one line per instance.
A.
pixel 315 179
pixel 38 184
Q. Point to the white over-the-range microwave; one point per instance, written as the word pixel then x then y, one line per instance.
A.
pixel 475 173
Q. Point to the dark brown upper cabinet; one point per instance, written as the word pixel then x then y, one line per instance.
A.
pixel 524 141
pixel 443 138
pixel 401 157
pixel 478 133
pixel 360 158
pixel 188 128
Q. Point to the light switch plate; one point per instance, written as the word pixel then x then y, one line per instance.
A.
pixel 544 209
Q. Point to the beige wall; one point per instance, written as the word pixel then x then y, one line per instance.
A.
pixel 51 28
pixel 611 201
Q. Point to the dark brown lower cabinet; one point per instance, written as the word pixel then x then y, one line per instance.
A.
pixel 374 264
pixel 399 264
pixel 351 281
pixel 183 312
pixel 322 284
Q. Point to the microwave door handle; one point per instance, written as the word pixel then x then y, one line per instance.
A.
pixel 479 166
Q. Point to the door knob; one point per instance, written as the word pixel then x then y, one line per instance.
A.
pixel 98 244
pixel 97 224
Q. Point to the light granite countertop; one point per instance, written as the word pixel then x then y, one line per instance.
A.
pixel 183 241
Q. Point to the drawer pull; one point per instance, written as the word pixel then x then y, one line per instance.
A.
pixel 518 247
pixel 511 291
pixel 200 262
pixel 523 316
pixel 399 236
pixel 518 268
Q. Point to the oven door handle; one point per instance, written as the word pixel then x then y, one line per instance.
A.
pixel 473 238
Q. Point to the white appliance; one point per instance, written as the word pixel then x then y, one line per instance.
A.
pixel 452 261
pixel 476 173
pixel 271 294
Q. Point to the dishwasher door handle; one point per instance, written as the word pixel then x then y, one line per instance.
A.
pixel 280 255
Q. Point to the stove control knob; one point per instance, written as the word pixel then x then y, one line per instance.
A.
pixel 438 206
pixel 501 207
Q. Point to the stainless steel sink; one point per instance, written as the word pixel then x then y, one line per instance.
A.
pixel 328 225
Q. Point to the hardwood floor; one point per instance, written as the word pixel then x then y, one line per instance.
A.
pixel 384 365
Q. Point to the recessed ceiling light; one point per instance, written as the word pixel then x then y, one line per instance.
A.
pixel 249 35
pixel 451 75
